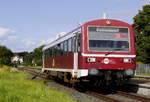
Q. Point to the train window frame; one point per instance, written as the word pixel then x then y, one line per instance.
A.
pixel 52 48
pixel 65 47
pixel 69 45
pixel 50 52
pixel 58 50
pixel 129 41
pixel 47 56
pixel 62 48
pixel 44 54
pixel 74 44
pixel 78 42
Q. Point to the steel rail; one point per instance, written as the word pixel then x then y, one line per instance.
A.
pixel 102 97
pixel 32 71
pixel 142 77
pixel 132 96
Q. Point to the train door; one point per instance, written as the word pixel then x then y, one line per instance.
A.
pixel 76 49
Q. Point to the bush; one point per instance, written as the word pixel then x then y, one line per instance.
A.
pixel 5 67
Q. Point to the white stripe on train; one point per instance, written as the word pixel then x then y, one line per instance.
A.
pixel 103 55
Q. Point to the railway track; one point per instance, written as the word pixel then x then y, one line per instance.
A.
pixel 103 97
pixel 142 77
pixel 132 96
pixel 106 98
pixel 35 72
pixel 125 96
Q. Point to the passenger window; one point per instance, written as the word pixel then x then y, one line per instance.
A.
pixel 74 44
pixel 50 52
pixel 58 50
pixel 61 48
pixel 65 47
pixel 69 45
pixel 53 52
pixel 78 43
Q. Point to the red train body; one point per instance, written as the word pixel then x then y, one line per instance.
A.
pixel 101 50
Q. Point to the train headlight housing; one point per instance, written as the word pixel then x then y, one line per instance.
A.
pixel 93 71
pixel 127 60
pixel 89 59
pixel 129 72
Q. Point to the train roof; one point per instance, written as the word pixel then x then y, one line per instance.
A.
pixel 107 22
pixel 67 35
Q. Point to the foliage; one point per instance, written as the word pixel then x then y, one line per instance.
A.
pixel 34 58
pixel 5 67
pixel 37 55
pixel 142 31
pixel 5 56
pixel 143 74
pixel 28 59
pixel 15 87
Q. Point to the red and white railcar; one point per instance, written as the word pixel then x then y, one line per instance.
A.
pixel 101 50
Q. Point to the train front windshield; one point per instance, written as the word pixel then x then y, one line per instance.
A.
pixel 108 39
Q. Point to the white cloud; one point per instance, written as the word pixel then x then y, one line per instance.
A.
pixel 17 43
pixel 28 43
pixel 5 32
pixel 46 41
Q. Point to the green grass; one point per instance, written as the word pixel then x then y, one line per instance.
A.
pixel 5 67
pixel 144 74
pixel 31 66
pixel 139 63
pixel 35 66
pixel 15 87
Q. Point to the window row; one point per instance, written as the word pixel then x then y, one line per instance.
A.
pixel 68 46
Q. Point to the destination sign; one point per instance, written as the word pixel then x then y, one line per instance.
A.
pixel 108 29
pixel 98 29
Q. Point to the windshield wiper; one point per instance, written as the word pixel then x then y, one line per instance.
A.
pixel 108 53
pixel 115 49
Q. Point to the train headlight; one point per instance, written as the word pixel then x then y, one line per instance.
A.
pixel 127 60
pixel 129 72
pixel 93 71
pixel 91 59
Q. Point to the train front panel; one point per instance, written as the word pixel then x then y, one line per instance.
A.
pixel 107 47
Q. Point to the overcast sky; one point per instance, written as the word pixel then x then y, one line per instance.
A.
pixel 27 24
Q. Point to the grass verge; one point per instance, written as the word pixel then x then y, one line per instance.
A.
pixel 31 66
pixel 5 67
pixel 144 74
pixel 15 87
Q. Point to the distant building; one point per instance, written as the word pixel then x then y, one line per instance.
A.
pixel 17 59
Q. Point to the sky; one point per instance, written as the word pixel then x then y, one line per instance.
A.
pixel 27 24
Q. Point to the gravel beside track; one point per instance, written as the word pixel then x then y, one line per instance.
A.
pixel 133 96
pixel 81 97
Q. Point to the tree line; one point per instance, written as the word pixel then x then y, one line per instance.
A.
pixel 142 34
pixel 141 25
pixel 33 58
pixel 5 56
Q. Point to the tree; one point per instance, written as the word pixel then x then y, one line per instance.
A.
pixel 28 58
pixel 142 31
pixel 5 55
pixel 34 57
pixel 37 55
